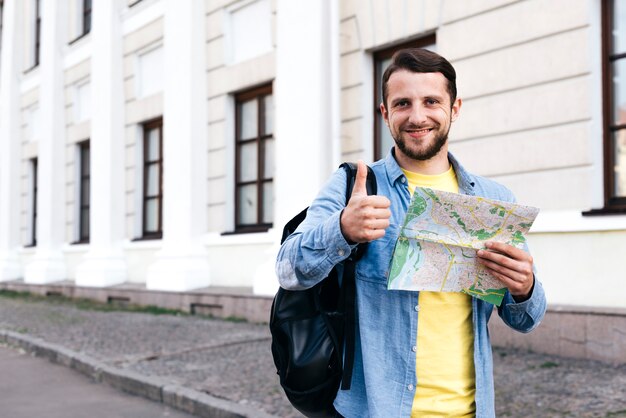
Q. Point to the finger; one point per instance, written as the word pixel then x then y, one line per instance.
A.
pixel 360 181
pixel 372 234
pixel 378 202
pixel 379 224
pixel 516 288
pixel 498 258
pixel 511 274
pixel 507 249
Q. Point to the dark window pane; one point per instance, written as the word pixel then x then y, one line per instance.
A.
pixel 84 192
pixel 152 180
pixel 84 161
pixel 247 205
pixel 381 66
pixel 268 202
pixel 87 23
pixel 84 224
pixel 153 151
pixel 152 215
pixel 386 140
pixel 248 162
pixel 619 92
pixel 268 120
pixel 248 119
pixel 619 148
pixel 619 26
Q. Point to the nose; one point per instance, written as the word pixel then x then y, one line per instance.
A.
pixel 417 115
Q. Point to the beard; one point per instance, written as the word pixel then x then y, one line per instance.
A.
pixel 425 154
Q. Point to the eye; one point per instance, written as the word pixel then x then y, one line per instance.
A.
pixel 402 103
pixel 431 101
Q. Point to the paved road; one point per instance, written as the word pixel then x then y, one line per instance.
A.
pixel 34 387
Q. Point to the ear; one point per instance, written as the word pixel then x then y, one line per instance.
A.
pixel 456 109
pixel 384 112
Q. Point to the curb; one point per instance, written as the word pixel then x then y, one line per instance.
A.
pixel 156 389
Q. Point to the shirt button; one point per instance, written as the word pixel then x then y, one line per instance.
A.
pixel 403 180
pixel 417 308
pixel 341 253
pixel 414 348
pixel 410 387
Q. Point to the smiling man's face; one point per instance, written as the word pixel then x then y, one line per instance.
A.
pixel 418 114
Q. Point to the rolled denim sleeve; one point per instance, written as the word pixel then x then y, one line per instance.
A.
pixel 527 315
pixel 317 245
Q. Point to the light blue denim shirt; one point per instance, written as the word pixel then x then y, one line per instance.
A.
pixel 384 379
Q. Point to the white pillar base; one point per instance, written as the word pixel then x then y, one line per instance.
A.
pixel 101 271
pixel 10 267
pixel 265 281
pixel 43 269
pixel 178 273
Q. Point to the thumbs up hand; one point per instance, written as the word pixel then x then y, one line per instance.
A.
pixel 365 217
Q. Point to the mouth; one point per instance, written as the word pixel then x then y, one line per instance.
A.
pixel 418 133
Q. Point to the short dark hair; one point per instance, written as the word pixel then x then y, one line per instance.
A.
pixel 418 60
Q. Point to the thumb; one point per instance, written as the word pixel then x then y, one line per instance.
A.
pixel 360 187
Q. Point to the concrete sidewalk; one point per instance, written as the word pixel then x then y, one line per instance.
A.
pixel 34 387
pixel 217 368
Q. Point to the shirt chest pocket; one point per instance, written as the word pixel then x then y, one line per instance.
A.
pixel 374 266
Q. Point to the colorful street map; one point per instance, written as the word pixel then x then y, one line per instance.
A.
pixel 436 249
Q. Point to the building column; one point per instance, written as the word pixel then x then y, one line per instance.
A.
pixel 182 263
pixel 104 264
pixel 10 71
pixel 48 264
pixel 306 32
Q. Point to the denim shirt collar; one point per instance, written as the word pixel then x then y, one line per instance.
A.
pixel 465 179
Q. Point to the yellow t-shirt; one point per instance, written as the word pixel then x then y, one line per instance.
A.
pixel 445 338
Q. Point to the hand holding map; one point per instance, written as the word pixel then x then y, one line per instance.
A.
pixel 442 232
pixel 512 266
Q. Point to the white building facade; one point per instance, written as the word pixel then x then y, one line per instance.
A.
pixel 164 143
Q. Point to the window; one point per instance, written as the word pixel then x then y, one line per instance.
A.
pixel 614 80
pixel 84 188
pixel 254 165
pixel 152 179
pixel 37 32
pixel 86 16
pixel 382 138
pixel 82 19
pixel 1 19
pixel 32 239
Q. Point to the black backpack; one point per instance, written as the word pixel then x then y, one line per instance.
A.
pixel 311 328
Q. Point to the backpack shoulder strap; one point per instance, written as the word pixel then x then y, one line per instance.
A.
pixel 349 279
pixel 350 169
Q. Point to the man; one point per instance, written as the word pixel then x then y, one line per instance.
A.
pixel 417 353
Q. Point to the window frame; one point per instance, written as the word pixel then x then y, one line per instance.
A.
pixel 257 93
pixel 83 19
pixel 83 148
pixel 612 204
pixel 378 56
pixel 147 127
pixel 1 20
pixel 33 198
pixel 86 17
pixel 37 32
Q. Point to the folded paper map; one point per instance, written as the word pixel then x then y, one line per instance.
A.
pixel 436 249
